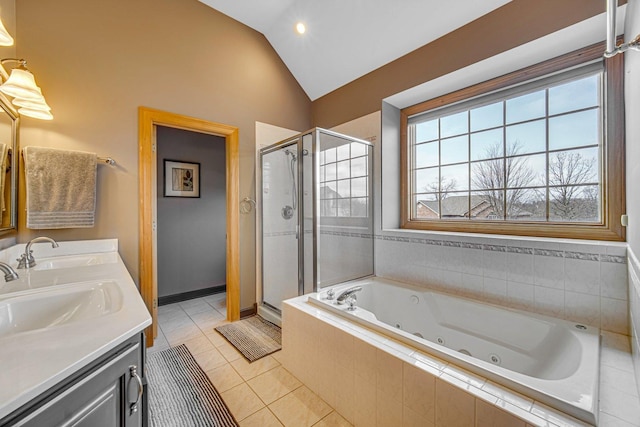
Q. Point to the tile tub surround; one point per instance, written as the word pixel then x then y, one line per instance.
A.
pixel 372 380
pixel 584 282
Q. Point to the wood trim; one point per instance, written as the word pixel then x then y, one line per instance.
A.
pixel 613 180
pixel 148 119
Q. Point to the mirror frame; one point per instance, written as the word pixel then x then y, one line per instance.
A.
pixel 8 108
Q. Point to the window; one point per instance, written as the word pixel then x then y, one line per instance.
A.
pixel 516 156
pixel 344 181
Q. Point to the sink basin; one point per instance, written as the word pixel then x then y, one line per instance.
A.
pixel 60 306
pixel 72 261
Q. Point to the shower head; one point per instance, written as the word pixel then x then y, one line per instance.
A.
pixel 289 152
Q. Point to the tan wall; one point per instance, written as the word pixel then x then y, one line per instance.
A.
pixel 516 23
pixel 97 61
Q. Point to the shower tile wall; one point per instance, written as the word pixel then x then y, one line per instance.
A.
pixel 581 282
pixel 344 255
pixel 634 303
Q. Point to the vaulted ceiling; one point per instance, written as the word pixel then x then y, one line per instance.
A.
pixel 346 39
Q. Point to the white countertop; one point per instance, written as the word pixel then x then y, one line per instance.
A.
pixel 32 362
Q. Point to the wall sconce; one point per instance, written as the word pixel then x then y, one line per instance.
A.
pixel 5 37
pixel 612 49
pixel 21 85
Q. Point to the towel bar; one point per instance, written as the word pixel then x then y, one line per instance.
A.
pixel 107 160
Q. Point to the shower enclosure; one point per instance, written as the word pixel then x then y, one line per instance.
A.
pixel 317 215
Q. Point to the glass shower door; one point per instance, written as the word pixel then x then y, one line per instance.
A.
pixel 280 219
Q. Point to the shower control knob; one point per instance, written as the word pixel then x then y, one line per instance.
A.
pixel 331 294
pixel 351 301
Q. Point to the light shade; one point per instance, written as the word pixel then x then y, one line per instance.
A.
pixel 5 37
pixel 21 84
pixel 37 114
pixel 32 104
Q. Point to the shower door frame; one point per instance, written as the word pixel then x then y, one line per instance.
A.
pixel 289 142
pixel 298 141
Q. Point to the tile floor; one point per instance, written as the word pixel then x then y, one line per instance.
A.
pixel 260 394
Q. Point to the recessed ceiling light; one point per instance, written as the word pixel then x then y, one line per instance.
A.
pixel 300 28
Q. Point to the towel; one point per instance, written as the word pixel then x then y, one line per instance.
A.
pixel 4 150
pixel 61 188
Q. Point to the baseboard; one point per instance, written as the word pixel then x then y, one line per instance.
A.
pixel 247 312
pixel 170 299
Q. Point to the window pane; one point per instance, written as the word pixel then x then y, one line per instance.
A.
pixel 427 131
pixel 322 159
pixel 343 169
pixel 482 207
pixel 330 171
pixel 455 206
pixel 427 155
pixel 486 117
pixel 526 171
pixel 344 188
pixel 426 206
pixel 575 95
pixel 359 166
pixel 526 107
pixel 574 167
pixel 427 180
pixel 328 190
pixel 486 175
pixel 575 203
pixel 526 205
pixel 359 207
pixel 343 152
pixel 455 177
pixel 574 130
pixel 359 187
pixel 330 155
pixel 487 144
pixel 327 207
pixel 454 150
pixel 358 149
pixel 344 207
pixel 526 138
pixel 322 179
pixel 455 124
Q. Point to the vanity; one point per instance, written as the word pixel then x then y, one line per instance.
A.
pixel 71 338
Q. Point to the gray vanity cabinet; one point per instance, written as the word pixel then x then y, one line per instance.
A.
pixel 108 393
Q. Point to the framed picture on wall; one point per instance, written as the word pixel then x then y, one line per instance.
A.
pixel 181 179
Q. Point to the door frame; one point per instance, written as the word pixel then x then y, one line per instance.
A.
pixel 148 120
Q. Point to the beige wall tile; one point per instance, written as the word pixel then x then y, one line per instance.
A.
pixel 365 407
pixel 411 418
pixel 489 416
pixel 388 410
pixel 454 407
pixel 344 381
pixel 419 391
pixel 389 375
pixel 366 366
pixel 333 420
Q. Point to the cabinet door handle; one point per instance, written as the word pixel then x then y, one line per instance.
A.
pixel 133 404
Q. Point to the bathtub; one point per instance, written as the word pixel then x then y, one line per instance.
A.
pixel 550 360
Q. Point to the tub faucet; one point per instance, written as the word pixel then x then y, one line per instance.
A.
pixel 342 298
pixel 27 260
pixel 9 273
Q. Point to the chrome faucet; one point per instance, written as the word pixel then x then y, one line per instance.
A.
pixel 9 273
pixel 27 260
pixel 342 298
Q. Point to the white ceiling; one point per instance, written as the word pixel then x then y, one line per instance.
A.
pixel 347 39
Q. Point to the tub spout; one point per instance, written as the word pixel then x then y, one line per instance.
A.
pixel 346 294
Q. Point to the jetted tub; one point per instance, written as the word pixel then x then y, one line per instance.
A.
pixel 550 360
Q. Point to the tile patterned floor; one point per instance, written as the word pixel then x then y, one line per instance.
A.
pixel 260 394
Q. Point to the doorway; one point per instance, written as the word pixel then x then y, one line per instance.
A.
pixel 148 121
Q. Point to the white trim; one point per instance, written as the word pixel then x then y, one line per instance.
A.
pixel 582 34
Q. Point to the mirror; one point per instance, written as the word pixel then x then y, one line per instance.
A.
pixel 9 122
